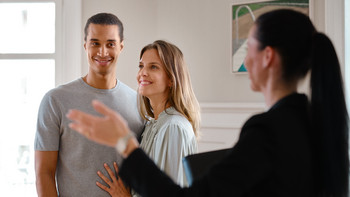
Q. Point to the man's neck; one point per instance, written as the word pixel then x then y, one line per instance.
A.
pixel 100 81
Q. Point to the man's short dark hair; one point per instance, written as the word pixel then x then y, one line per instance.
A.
pixel 105 19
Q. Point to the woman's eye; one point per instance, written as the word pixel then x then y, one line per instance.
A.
pixel 94 44
pixel 140 66
pixel 154 67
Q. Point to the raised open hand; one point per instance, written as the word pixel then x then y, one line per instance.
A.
pixel 104 130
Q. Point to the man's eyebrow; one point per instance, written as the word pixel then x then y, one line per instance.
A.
pixel 110 40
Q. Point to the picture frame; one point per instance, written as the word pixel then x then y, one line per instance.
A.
pixel 243 15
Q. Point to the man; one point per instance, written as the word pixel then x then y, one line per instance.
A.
pixel 61 154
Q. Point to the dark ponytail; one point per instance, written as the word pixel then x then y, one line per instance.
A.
pixel 329 119
pixel 302 48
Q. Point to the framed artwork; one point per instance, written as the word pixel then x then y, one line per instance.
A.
pixel 243 17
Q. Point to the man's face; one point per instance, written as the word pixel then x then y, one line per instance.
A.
pixel 103 47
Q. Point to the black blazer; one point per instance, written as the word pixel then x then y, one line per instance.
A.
pixel 273 157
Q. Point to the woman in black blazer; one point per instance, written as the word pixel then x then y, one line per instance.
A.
pixel 297 148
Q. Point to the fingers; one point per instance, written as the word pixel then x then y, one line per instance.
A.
pixel 82 122
pixel 117 172
pixel 116 186
pixel 110 172
pixel 101 108
pixel 104 178
pixel 81 117
pixel 119 180
pixel 104 130
pixel 80 129
pixel 116 167
pixel 102 186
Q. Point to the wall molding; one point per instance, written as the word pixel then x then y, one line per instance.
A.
pixel 231 107
pixel 222 122
pixel 228 115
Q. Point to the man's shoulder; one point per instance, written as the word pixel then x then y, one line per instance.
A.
pixel 123 86
pixel 125 89
pixel 72 84
pixel 63 90
pixel 75 84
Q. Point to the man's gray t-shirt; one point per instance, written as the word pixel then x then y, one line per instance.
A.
pixel 78 158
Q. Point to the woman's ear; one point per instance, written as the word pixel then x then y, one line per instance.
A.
pixel 269 55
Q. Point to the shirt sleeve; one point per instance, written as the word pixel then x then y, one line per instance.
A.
pixel 174 142
pixel 48 125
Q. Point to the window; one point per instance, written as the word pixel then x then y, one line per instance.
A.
pixel 28 59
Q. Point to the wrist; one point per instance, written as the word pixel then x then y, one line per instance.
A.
pixel 132 145
pixel 126 144
pixel 122 142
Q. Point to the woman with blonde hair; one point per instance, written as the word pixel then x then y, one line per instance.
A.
pixel 167 102
pixel 181 95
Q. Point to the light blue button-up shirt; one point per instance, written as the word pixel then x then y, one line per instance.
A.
pixel 167 140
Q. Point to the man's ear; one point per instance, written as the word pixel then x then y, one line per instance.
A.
pixel 269 55
pixel 85 45
pixel 121 45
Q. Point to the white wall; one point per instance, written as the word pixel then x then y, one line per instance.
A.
pixel 201 29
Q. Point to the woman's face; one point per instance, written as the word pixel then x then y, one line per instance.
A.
pixel 254 61
pixel 153 81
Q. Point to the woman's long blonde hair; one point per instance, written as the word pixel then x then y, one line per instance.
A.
pixel 181 95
